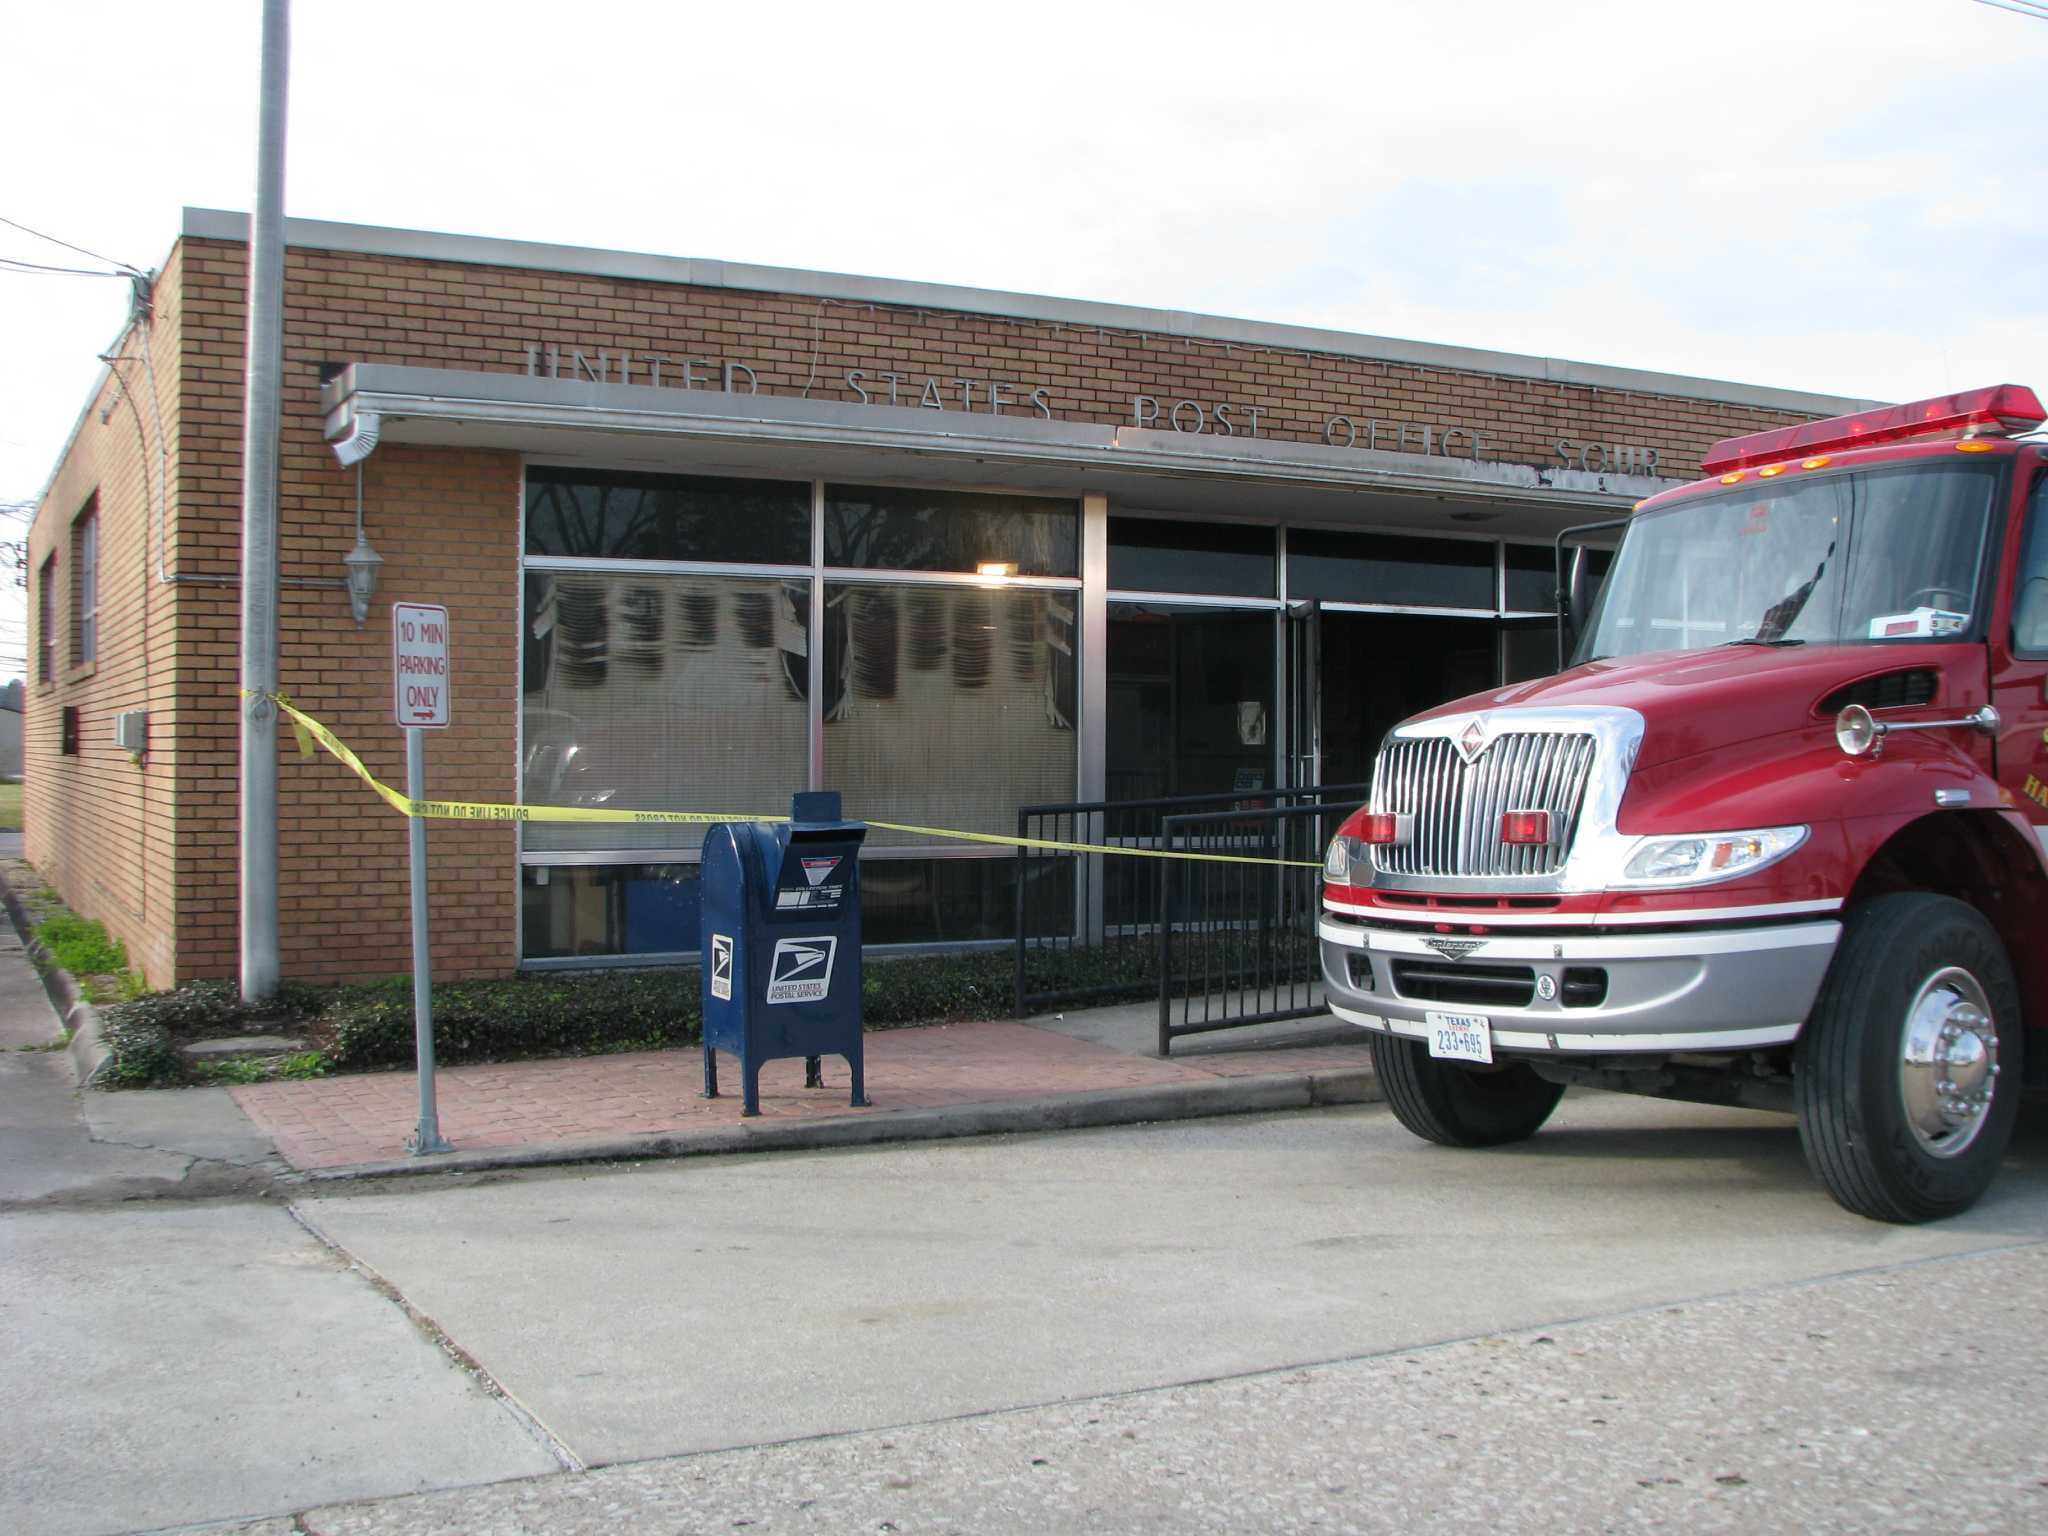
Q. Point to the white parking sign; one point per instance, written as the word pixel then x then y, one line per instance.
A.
pixel 419 665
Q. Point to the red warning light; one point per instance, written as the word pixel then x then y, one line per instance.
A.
pixel 1998 410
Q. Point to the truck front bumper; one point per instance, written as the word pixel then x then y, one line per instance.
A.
pixel 1693 989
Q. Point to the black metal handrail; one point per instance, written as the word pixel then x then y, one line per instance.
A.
pixel 1086 923
pixel 1237 941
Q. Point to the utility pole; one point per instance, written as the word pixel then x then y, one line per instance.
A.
pixel 261 415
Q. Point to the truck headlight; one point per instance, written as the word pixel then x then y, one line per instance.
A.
pixel 1342 854
pixel 1707 856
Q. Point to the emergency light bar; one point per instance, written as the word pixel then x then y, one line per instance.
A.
pixel 2001 409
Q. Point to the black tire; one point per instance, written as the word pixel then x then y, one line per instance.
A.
pixel 1850 1081
pixel 1456 1105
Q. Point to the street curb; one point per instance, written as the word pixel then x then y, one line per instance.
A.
pixel 87 1050
pixel 1060 1112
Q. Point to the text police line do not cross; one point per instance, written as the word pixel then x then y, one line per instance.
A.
pixel 419 665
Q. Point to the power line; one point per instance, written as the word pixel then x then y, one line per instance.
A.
pixel 2031 8
pixel 37 269
pixel 81 250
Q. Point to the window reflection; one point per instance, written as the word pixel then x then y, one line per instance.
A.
pixel 619 515
pixel 662 693
pixel 948 706
pixel 878 528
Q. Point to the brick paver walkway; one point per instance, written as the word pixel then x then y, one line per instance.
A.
pixel 338 1121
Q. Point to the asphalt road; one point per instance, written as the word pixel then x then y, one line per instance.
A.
pixel 1647 1315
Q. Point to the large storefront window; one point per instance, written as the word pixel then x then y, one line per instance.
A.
pixel 669 665
pixel 661 692
pixel 948 706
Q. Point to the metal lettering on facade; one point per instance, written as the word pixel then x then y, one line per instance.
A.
pixel 999 397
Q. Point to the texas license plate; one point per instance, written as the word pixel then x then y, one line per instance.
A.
pixel 1460 1036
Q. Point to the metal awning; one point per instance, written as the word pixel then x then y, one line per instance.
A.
pixel 635 426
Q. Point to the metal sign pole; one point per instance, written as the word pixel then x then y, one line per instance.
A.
pixel 427 1139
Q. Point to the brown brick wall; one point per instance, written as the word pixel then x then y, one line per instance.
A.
pixel 449 315
pixel 98 824
pixel 447 524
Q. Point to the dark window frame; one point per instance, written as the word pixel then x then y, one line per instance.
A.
pixel 85 584
pixel 46 620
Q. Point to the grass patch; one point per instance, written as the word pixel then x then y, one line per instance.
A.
pixel 10 807
pixel 80 945
pixel 83 947
pixel 259 1069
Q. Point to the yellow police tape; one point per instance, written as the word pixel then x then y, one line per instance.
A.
pixel 308 731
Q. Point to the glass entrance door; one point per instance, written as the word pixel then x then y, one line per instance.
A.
pixel 1380 668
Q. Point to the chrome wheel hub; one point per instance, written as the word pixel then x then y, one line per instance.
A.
pixel 1948 1065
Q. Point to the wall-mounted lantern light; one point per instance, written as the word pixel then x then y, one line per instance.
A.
pixel 362 563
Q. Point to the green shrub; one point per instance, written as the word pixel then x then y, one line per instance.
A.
pixel 933 989
pixel 542 1014
pixel 559 1013
pixel 141 1053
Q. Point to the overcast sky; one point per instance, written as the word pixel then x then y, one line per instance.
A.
pixel 1834 195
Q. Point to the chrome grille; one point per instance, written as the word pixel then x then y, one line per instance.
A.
pixel 1456 806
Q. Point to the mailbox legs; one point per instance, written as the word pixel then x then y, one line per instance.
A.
pixel 814 1077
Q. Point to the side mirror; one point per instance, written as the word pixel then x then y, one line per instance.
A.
pixel 1857 732
pixel 1574 566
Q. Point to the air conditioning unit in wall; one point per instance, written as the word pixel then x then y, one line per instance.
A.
pixel 131 731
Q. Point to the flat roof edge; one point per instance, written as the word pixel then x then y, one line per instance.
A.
pixel 478 250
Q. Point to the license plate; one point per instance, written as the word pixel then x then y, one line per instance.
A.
pixel 1460 1037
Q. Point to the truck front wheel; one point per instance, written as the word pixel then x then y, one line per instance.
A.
pixel 1906 1077
pixel 1457 1105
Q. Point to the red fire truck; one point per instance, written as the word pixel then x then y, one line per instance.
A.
pixel 1775 837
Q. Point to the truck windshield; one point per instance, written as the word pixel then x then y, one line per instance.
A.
pixel 1894 553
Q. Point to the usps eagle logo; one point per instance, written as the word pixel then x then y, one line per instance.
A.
pixel 800 970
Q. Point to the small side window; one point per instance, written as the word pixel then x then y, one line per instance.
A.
pixel 85 585
pixel 46 620
pixel 2030 582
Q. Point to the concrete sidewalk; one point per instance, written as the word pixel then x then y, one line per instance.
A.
pixel 1096 1067
pixel 1059 1071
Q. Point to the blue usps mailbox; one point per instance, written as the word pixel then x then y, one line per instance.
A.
pixel 780 938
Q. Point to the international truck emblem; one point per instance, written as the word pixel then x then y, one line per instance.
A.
pixel 800 970
pixel 1454 949
pixel 1472 743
